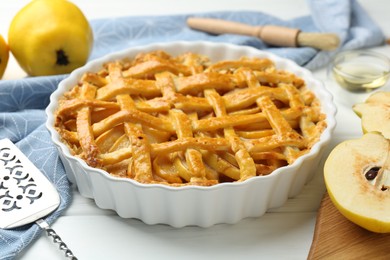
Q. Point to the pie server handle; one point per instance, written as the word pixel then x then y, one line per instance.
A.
pixel 56 238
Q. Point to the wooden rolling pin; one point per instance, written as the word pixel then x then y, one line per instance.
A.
pixel 270 34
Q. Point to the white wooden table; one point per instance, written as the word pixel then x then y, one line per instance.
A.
pixel 284 233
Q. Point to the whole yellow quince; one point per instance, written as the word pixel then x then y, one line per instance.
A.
pixel 4 55
pixel 50 37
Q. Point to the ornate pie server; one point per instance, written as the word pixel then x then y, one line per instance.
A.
pixel 26 195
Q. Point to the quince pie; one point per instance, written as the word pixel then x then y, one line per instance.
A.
pixel 184 120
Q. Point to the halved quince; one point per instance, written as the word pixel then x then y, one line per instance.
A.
pixel 357 177
pixel 375 113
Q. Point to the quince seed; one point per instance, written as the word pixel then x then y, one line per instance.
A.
pixel 372 173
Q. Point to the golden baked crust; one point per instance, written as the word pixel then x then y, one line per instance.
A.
pixel 187 121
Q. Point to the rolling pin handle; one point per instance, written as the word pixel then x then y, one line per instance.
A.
pixel 279 36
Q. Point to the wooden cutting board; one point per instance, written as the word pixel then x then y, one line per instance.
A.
pixel 335 237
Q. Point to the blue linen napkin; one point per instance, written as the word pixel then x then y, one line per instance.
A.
pixel 22 102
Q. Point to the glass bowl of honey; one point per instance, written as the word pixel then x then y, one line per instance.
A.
pixel 360 70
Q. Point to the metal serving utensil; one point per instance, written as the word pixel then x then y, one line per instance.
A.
pixel 26 195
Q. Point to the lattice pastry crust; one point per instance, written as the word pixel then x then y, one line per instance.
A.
pixel 183 120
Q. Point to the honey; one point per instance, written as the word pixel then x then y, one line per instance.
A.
pixel 360 77
pixel 361 71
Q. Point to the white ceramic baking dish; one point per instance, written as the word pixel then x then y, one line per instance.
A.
pixel 194 205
